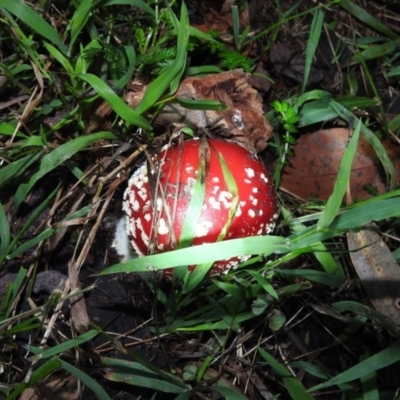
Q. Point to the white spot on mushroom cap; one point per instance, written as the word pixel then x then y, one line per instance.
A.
pixel 247 180
pixel 159 204
pixel 215 190
pixel 254 201
pixel 215 179
pixel 135 205
pixel 162 227
pixel 263 177
pixel 147 217
pixel 250 172
pixel 251 213
pixel 202 228
pixel 216 205
pixel 225 197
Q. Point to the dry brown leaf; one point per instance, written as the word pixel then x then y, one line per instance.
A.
pixel 243 121
pixel 378 271
pixel 312 171
pixel 60 388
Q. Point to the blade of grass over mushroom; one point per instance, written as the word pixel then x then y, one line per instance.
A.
pixel 197 199
pixel 294 387
pixel 342 180
pixel 366 18
pixel 193 279
pixel 203 253
pixel 380 150
pixel 233 189
pixel 25 13
pixel 157 88
pixel 117 104
pixel 56 158
pixel 383 359
pixel 86 380
pixel 312 44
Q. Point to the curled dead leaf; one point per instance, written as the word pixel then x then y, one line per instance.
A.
pixel 243 121
pixel 312 171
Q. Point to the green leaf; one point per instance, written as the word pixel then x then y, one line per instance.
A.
pixel 312 44
pixel 137 3
pixel 79 20
pixel 342 180
pixel 22 11
pixel 294 387
pixel 384 358
pixel 366 18
pixel 4 233
pixel 203 253
pixel 117 104
pixel 174 71
pixel 134 373
pixel 86 380
pixel 56 158
pixel 62 347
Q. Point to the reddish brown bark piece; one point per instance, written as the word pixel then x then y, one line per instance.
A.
pixel 312 171
pixel 243 121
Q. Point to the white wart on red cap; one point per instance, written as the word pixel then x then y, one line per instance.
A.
pixel 155 217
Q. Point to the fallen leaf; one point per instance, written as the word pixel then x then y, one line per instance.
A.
pixel 312 171
pixel 243 121
pixel 378 271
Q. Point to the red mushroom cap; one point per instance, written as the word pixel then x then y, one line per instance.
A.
pixel 156 211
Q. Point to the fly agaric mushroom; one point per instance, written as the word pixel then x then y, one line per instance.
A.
pixel 157 203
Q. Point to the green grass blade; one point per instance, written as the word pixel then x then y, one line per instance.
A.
pixel 366 18
pixel 64 61
pixel 203 253
pixel 197 199
pixel 342 180
pixel 383 359
pixel 4 233
pixel 86 380
pixel 40 373
pixel 312 44
pixel 22 11
pixel 56 158
pixel 381 152
pixel 13 171
pixel 293 386
pixel 175 70
pixel 373 52
pixel 116 103
pixel 41 354
pixel 137 3
pixel 137 374
pixel 79 20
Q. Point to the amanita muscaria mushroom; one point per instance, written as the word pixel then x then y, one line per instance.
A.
pixel 157 201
